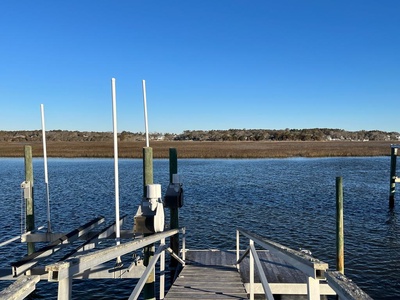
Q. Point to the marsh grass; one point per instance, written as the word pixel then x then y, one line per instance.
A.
pixel 190 149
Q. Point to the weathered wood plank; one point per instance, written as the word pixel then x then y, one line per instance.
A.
pixel 201 279
pixel 20 289
pixel 207 282
pixel 289 289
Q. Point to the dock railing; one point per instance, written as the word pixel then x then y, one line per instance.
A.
pixel 63 272
pixel 315 269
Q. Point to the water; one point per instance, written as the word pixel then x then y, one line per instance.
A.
pixel 291 201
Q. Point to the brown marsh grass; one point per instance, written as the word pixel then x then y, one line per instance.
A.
pixel 190 149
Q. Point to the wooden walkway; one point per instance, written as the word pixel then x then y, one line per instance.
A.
pixel 207 282
pixel 212 274
pixel 208 274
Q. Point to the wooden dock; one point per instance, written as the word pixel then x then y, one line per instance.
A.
pixel 207 282
pixel 212 274
pixel 208 274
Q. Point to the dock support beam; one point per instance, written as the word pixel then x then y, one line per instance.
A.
pixel 149 287
pixel 29 212
pixel 174 212
pixel 339 226
pixel 393 178
pixel 65 289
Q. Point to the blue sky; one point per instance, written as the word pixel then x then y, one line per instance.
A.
pixel 207 64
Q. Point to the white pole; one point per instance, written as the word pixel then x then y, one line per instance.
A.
pixel 46 177
pixel 146 124
pixel 114 109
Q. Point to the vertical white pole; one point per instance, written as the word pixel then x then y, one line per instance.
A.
pixel 116 173
pixel 184 243
pixel 65 289
pixel 146 124
pixel 162 271
pixel 251 263
pixel 237 247
pixel 313 290
pixel 46 177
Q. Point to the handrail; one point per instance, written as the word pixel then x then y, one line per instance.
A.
pixel 344 287
pixel 312 267
pixel 139 286
pixel 264 281
pixel 62 272
pixel 307 264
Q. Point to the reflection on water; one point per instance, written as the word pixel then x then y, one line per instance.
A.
pixel 291 201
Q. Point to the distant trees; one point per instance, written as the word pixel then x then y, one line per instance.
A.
pixel 313 134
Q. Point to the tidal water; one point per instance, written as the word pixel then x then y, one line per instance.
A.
pixel 291 201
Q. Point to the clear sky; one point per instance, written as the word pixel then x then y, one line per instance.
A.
pixel 209 64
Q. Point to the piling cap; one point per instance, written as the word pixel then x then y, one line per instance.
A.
pixel 176 178
pixel 153 191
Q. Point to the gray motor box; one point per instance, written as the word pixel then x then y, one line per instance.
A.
pixel 174 196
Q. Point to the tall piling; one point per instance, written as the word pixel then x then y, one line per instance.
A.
pixel 149 287
pixel 339 226
pixel 393 161
pixel 174 211
pixel 29 205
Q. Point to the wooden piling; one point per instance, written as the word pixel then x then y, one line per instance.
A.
pixel 339 226
pixel 30 207
pixel 393 158
pixel 147 168
pixel 174 211
pixel 149 287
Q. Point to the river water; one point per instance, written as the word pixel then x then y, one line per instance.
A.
pixel 291 201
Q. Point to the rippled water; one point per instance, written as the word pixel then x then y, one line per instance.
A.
pixel 291 201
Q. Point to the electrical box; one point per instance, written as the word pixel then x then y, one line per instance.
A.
pixel 174 195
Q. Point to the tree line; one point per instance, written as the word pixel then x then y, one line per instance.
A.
pixel 313 134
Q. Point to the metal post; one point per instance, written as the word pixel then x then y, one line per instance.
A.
pixel 393 154
pixel 46 176
pixel 149 287
pixel 339 226
pixel 174 213
pixel 183 243
pixel 251 265
pixel 65 289
pixel 313 290
pixel 30 207
pixel 237 247
pixel 162 271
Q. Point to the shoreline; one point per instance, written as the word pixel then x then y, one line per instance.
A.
pixel 203 149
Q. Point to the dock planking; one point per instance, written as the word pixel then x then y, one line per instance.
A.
pixel 276 269
pixel 207 282
pixel 208 274
pixel 212 274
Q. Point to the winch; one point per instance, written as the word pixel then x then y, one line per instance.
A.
pixel 150 215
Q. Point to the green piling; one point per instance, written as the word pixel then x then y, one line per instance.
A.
pixel 339 226
pixel 393 158
pixel 30 208
pixel 174 212
pixel 149 287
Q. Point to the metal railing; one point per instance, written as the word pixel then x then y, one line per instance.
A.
pixel 315 269
pixel 63 272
